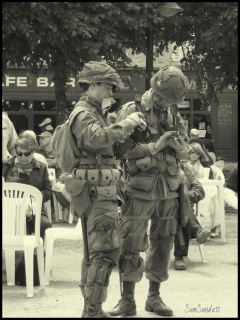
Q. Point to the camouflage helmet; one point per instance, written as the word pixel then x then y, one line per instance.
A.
pixel 95 71
pixel 170 83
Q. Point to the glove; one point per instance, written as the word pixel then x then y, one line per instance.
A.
pixel 136 119
pixel 155 147
pixel 107 103
pixel 177 143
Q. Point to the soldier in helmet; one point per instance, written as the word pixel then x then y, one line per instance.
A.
pixel 95 180
pixel 152 189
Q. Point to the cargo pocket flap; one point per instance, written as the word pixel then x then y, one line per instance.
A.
pixel 106 191
pixel 74 186
pixel 173 184
pixel 144 183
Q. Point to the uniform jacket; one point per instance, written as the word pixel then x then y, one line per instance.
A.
pixel 93 135
pixel 134 150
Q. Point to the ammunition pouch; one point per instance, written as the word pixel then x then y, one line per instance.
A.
pixel 97 177
pixel 103 235
pixel 78 189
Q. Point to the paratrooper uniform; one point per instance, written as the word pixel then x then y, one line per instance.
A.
pixel 95 188
pixel 152 194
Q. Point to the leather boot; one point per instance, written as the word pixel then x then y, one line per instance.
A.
pixel 126 306
pixel 154 302
pixel 96 311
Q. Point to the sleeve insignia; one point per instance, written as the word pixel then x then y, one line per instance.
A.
pixel 94 127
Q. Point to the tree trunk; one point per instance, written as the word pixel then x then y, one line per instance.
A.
pixel 60 94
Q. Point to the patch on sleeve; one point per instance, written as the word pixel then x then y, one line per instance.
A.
pixel 94 127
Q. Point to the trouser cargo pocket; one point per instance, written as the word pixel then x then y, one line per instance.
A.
pixel 103 233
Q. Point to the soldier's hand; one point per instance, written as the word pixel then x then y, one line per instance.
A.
pixel 161 143
pixel 137 119
pixel 177 143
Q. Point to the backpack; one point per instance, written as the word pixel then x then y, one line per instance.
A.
pixel 66 151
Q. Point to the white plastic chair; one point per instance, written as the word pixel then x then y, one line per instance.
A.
pixel 15 198
pixel 219 164
pixel 53 180
pixel 71 212
pixel 51 235
pixel 218 175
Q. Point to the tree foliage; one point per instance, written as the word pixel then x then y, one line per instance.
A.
pixel 208 33
pixel 62 36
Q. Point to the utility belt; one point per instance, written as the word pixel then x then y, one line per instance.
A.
pixel 100 177
pixel 88 185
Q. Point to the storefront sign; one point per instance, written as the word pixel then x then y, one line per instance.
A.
pixel 17 80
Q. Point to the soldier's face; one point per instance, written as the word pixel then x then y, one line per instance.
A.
pixel 159 102
pixel 104 90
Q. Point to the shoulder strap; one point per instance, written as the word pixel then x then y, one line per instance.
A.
pixel 73 144
pixel 142 110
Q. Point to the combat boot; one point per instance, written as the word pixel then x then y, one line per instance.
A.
pixel 126 305
pixel 154 302
pixel 96 311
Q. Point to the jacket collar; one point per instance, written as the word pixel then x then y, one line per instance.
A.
pixel 10 162
pixel 91 101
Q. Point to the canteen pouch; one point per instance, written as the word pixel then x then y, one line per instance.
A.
pixel 142 186
pixel 93 176
pixel 105 177
pixel 78 189
pixel 103 235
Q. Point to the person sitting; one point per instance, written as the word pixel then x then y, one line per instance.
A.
pixel 37 156
pixel 193 228
pixel 209 146
pixel 24 168
pixel 231 190
pixel 199 158
pixel 45 148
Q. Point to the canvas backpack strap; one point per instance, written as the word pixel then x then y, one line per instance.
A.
pixel 72 116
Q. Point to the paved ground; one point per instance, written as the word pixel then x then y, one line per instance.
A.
pixel 204 290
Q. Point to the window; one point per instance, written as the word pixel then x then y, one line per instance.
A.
pixel 15 105
pixel 196 116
